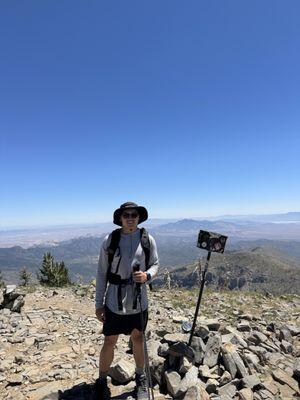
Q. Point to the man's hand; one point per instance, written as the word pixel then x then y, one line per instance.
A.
pixel 100 314
pixel 139 277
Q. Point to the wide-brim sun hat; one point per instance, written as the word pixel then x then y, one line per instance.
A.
pixel 143 213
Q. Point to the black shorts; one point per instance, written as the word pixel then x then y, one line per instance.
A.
pixel 116 324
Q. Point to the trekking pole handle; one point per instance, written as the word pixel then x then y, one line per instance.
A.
pixel 136 266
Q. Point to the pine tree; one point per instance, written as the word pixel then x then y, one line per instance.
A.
pixel 25 276
pixel 2 283
pixel 53 273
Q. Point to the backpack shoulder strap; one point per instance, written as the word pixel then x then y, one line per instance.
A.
pixel 114 244
pixel 145 242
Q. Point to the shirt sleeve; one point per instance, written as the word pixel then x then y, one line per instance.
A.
pixel 101 274
pixel 153 259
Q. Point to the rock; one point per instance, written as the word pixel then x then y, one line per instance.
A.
pixel 228 390
pixel 294 330
pixel 202 332
pixel 212 324
pixel 190 379
pixel 212 351
pixel 181 349
pixel 283 378
pixel 18 304
pixel 157 368
pixel 205 372
pixel 257 338
pixel 227 351
pixel 270 385
pixel 296 369
pixel 245 394
pixel 184 366
pixel 10 289
pixel 193 393
pixel 175 337
pixel 122 371
pixel 286 347
pixel 15 379
pixel 285 334
pixel 250 381
pixel 199 349
pixel 225 378
pixel 212 385
pixel 244 326
pixel 173 380
pixel 178 319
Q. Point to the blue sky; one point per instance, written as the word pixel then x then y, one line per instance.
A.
pixel 189 108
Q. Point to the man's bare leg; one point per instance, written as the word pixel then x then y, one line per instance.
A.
pixel 107 354
pixel 138 349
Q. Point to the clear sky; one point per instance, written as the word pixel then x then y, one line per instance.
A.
pixel 189 108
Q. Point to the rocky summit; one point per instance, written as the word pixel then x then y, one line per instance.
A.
pixel 246 346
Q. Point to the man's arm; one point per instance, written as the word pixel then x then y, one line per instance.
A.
pixel 153 259
pixel 101 280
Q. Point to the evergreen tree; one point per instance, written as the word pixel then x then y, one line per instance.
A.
pixel 53 273
pixel 2 283
pixel 25 276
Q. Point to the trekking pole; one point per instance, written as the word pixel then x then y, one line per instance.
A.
pixel 212 242
pixel 199 297
pixel 146 356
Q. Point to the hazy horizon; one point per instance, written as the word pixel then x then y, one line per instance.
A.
pixel 150 220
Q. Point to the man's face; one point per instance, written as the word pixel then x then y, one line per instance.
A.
pixel 130 219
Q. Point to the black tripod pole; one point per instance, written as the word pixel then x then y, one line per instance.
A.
pixel 199 297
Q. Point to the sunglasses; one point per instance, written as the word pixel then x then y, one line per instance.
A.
pixel 127 215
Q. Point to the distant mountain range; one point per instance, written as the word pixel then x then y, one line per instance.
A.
pixel 278 244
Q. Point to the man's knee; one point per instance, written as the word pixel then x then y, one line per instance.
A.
pixel 136 336
pixel 110 341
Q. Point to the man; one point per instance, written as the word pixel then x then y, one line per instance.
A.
pixel 116 291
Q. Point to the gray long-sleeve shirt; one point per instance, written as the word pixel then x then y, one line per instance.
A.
pixel 130 252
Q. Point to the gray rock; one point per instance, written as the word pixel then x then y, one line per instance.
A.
pixel 199 349
pixel 193 393
pixel 212 351
pixel 205 372
pixel 245 394
pixel 175 337
pixel 250 381
pixel 296 369
pixel 202 331
pixel 228 390
pixel 10 289
pixel 173 380
pixel 184 365
pixel 190 379
pixel 225 378
pixel 285 334
pixel 294 330
pixel 285 379
pixel 212 385
pixel 244 326
pixel 18 304
pixel 122 371
pixel 181 349
pixel 286 347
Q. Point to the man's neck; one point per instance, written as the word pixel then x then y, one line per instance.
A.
pixel 129 230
